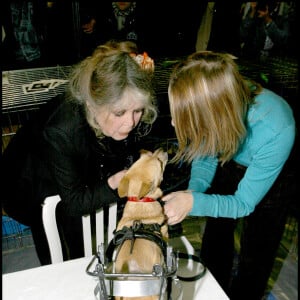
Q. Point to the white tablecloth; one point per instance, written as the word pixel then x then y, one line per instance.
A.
pixel 69 281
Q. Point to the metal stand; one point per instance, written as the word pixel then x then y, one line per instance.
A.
pixel 158 282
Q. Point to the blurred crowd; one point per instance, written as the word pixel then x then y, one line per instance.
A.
pixel 43 33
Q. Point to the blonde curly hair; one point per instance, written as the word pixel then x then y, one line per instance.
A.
pixel 102 78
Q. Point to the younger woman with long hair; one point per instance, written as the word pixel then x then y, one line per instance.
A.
pixel 237 135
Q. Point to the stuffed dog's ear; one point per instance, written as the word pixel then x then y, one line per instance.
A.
pixel 137 188
pixel 123 187
pixel 144 189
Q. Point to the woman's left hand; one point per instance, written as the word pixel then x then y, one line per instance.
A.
pixel 177 206
pixel 89 27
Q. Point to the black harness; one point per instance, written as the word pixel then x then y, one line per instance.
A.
pixel 138 230
pixel 163 274
pixel 152 233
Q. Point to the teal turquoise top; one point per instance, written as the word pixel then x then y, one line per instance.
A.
pixel 271 134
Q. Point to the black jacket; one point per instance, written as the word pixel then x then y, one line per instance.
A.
pixel 57 152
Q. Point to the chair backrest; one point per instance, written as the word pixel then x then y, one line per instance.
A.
pixel 53 238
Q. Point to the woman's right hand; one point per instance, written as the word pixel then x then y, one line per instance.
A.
pixel 177 206
pixel 253 9
pixel 114 180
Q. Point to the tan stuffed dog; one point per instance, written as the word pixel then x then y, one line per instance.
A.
pixel 141 187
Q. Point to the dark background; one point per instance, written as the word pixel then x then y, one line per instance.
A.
pixel 166 28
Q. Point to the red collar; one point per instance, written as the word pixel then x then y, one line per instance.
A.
pixel 144 199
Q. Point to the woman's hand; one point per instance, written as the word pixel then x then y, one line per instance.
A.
pixel 114 180
pixel 253 6
pixel 89 27
pixel 177 206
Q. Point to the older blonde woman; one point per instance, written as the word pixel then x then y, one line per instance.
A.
pixel 80 144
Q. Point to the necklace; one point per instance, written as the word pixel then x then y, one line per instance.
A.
pixel 123 13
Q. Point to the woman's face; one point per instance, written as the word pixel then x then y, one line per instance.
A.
pixel 123 5
pixel 120 119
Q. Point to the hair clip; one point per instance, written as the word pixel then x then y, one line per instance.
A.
pixel 144 60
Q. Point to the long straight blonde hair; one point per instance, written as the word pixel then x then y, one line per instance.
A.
pixel 209 100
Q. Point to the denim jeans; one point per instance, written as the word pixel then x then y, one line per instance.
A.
pixel 259 239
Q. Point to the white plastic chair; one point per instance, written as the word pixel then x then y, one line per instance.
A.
pixel 51 230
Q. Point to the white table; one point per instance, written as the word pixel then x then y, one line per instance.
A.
pixel 69 281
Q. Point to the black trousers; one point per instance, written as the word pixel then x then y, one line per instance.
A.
pixel 260 237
